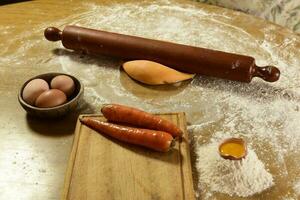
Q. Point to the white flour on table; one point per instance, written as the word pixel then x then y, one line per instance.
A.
pixel 297 187
pixel 266 115
pixel 242 178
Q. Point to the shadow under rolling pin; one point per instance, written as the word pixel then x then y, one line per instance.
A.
pixel 184 58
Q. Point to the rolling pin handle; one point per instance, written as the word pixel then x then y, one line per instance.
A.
pixel 53 34
pixel 268 73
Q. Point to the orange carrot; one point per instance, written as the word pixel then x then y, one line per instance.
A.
pixel 156 140
pixel 134 116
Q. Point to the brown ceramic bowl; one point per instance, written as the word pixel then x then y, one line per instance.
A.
pixel 57 111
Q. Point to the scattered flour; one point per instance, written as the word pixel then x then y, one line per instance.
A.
pixel 297 187
pixel 265 114
pixel 241 178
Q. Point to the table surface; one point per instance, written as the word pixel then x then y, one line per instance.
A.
pixel 34 153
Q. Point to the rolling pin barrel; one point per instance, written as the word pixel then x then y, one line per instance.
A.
pixel 181 57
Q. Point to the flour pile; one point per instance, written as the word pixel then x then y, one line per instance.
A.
pixel 242 178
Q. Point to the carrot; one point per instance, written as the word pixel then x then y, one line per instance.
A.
pixel 134 116
pixel 156 140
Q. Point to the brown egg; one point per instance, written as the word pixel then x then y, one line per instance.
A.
pixel 33 89
pixel 63 83
pixel 51 98
pixel 153 73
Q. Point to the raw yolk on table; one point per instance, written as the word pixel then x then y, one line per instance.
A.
pixel 234 149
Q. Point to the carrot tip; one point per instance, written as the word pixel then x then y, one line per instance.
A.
pixel 81 119
pixel 173 142
pixel 104 105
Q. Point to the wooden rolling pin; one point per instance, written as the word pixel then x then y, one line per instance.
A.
pixel 181 57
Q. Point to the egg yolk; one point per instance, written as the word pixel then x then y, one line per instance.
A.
pixel 234 149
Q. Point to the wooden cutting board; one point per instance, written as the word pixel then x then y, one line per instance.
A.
pixel 103 168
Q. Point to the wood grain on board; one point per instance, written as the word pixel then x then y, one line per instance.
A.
pixel 104 168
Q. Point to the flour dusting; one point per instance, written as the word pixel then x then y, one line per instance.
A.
pixel 241 178
pixel 267 115
pixel 297 187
